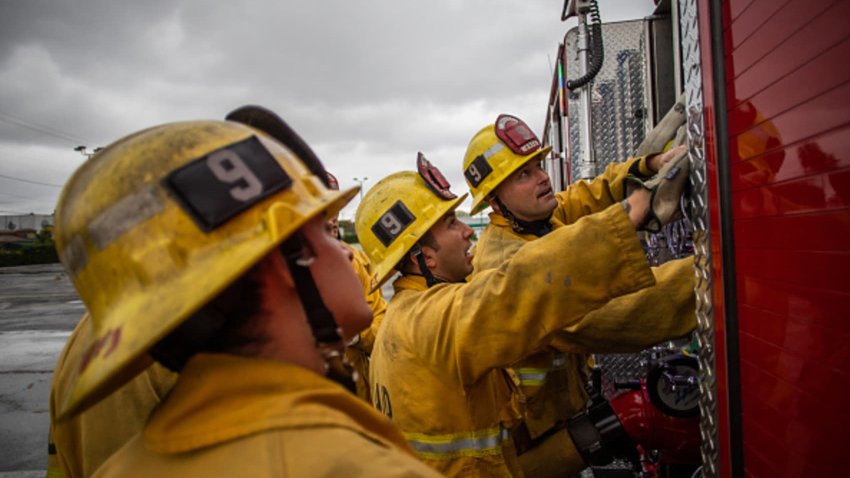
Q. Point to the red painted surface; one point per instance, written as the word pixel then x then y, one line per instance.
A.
pixel 754 16
pixel 815 117
pixel 788 90
pixel 822 154
pixel 677 437
pixel 793 50
pixel 736 8
pixel 785 23
pixel 809 305
pixel 719 304
pixel 811 81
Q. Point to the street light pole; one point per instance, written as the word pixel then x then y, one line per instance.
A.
pixel 360 182
pixel 84 151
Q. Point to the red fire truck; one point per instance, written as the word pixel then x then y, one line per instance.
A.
pixel 764 87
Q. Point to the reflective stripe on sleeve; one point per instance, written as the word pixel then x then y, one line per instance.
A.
pixel 441 447
pixel 531 377
pixel 536 377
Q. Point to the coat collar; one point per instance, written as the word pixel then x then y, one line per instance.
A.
pixel 410 282
pixel 221 397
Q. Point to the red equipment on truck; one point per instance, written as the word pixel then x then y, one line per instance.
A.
pixel 765 92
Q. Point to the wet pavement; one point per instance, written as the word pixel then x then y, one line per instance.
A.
pixel 38 309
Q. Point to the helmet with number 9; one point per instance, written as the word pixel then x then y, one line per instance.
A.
pixel 156 225
pixel 394 215
pixel 496 151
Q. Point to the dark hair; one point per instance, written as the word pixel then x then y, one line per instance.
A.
pixel 222 325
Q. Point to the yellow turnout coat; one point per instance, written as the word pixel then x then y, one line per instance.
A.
pixel 552 379
pixel 437 364
pixel 236 416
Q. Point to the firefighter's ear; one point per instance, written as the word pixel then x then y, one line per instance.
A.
pixel 430 256
pixel 491 200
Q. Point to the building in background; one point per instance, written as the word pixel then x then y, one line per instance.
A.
pixel 22 229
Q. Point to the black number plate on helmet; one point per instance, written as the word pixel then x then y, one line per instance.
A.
pixel 478 170
pixel 220 185
pixel 392 223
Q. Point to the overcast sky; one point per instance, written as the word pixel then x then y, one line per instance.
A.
pixel 366 83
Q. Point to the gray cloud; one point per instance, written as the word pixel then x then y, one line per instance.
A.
pixel 368 84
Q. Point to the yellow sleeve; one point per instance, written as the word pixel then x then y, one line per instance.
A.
pixel 375 299
pixel 358 354
pixel 633 322
pixel 64 456
pixel 504 314
pixel 588 196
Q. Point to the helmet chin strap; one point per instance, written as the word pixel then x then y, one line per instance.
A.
pixel 430 280
pixel 539 228
pixel 321 320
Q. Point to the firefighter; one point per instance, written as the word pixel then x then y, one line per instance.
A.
pixel 203 245
pixel 333 221
pixel 502 166
pixel 79 445
pixel 360 348
pixel 438 359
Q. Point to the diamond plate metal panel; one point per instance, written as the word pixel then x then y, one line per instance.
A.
pixel 619 94
pixel 689 25
pixel 619 124
pixel 624 368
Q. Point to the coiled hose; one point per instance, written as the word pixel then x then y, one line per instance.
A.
pixel 597 52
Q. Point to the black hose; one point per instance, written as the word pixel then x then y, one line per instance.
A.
pixel 597 52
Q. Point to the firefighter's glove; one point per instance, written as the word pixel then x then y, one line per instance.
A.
pixel 667 188
pixel 665 131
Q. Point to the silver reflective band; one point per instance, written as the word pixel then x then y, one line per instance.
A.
pixel 530 378
pixel 445 446
pixel 124 215
pixel 492 150
pixel 75 256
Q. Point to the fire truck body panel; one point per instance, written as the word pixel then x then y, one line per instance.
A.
pixel 788 155
pixel 767 88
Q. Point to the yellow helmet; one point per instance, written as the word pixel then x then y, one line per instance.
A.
pixel 156 225
pixel 398 211
pixel 494 153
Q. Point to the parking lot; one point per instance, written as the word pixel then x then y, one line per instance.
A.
pixel 38 310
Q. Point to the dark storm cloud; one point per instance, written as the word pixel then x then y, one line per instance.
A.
pixel 368 84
